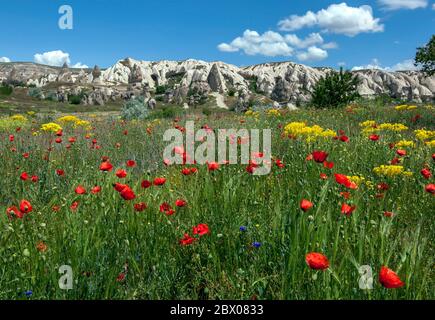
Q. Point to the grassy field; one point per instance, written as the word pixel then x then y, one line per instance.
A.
pixel 251 238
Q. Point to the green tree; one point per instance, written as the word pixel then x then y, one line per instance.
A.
pixel 336 89
pixel 425 57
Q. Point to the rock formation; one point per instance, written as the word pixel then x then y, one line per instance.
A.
pixel 191 81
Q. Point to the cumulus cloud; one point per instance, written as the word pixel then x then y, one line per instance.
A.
pixel 403 4
pixel 337 18
pixel 5 59
pixel 407 64
pixel 252 43
pixel 57 58
pixel 79 65
pixel 52 58
pixel 312 39
pixel 433 6
pixel 274 44
pixel 313 54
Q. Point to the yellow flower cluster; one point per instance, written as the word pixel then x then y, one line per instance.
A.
pixel 430 143
pixel 273 112
pixel 360 180
pixel 75 121
pixel 424 134
pixel 391 171
pixel 396 127
pixel 51 127
pixel 368 123
pixel 18 117
pixel 405 107
pixel 251 113
pixel 405 144
pixel 298 129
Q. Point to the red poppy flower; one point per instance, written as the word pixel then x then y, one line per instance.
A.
pixel 251 168
pixel 212 166
pixel 433 156
pixel 187 240
pixel 383 186
pixel 320 156
pixel 317 261
pixel 139 207
pixel 96 189
pixel 35 178
pixel 374 137
pixel 60 172
pixel 401 152
pixel 347 209
pixel 119 186
pixel 74 205
pixel 426 173
pixel 328 165
pixel 26 155
pixel 159 181
pixel 344 138
pixel 309 157
pixel 24 176
pixel 13 211
pixel 323 176
pixel 127 194
pixel 167 209
pixel 106 166
pixel 345 195
pixel 25 206
pixel 72 139
pixel 201 229
pixel 185 171
pixel 395 161
pixel 59 133
pixel 388 214
pixel 131 163
pixel 430 188
pixel 279 163
pixel 306 205
pixel 80 190
pixel 121 173
pixel 389 279
pixel 193 170
pixel 11 138
pixel 58 140
pixel 120 277
pixel 180 203
pixel 344 180
pixel 146 184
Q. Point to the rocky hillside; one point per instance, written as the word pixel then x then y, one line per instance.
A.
pixel 190 81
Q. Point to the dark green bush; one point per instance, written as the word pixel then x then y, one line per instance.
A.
pixel 161 89
pixel 75 99
pixel 336 89
pixel 6 90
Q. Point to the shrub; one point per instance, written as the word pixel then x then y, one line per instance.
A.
pixel 75 98
pixel 6 90
pixel 336 89
pixel 134 109
pixel 231 92
pixel 160 89
pixel 425 57
pixel 35 93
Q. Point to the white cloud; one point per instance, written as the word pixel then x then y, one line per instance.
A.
pixel 337 18
pixel 313 54
pixel 403 4
pixel 5 59
pixel 52 58
pixel 312 39
pixel 79 65
pixel 330 45
pixel 407 64
pixel 341 64
pixel 433 6
pixel 252 43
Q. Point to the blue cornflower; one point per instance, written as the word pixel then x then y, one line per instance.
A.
pixel 243 228
pixel 256 244
pixel 28 293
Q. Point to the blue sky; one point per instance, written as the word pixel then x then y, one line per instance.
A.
pixel 381 33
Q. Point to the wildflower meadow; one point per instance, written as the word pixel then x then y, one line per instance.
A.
pixel 91 209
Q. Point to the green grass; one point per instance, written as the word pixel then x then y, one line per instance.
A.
pixel 105 233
